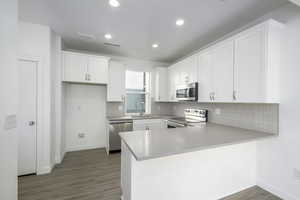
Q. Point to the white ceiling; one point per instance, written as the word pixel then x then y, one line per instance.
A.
pixel 137 24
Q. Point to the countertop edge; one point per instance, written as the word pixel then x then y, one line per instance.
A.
pixel 198 149
pixel 190 150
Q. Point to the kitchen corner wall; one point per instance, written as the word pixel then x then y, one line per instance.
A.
pixel 260 117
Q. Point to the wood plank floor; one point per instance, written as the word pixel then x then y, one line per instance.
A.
pixel 92 175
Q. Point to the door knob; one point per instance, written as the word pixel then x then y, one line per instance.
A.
pixel 31 123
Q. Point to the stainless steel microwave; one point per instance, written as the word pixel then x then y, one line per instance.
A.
pixel 187 92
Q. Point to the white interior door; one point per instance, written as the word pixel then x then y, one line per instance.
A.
pixel 27 117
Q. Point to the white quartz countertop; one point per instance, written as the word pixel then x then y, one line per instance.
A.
pixel 146 145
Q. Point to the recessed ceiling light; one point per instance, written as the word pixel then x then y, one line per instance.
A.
pixel 114 3
pixel 108 36
pixel 155 45
pixel 179 22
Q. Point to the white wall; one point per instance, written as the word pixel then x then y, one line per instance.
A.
pixel 278 158
pixel 297 2
pixel 8 99
pixel 57 148
pixel 40 42
pixel 85 113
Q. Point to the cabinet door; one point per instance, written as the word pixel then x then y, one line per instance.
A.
pixel 139 127
pixel 172 83
pixel 205 76
pixel 155 126
pixel 116 82
pixel 148 124
pixel 189 70
pixel 249 66
pixel 222 72
pixel 161 83
pixel 75 67
pixel 98 70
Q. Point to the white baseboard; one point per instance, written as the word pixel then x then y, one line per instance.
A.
pixel 44 170
pixel 59 158
pixel 70 149
pixel 276 191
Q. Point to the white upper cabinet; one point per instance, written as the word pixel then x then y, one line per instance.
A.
pixel 75 67
pixel 205 81
pixel 98 69
pixel 186 71
pixel 173 81
pixel 222 72
pixel 188 68
pixel 215 73
pixel 244 68
pixel 257 62
pixel 161 84
pixel 181 73
pixel 116 82
pixel 83 68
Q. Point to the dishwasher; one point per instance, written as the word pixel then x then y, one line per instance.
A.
pixel 115 127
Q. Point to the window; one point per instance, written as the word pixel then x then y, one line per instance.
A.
pixel 137 92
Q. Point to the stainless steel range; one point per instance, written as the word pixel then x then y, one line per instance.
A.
pixel 192 117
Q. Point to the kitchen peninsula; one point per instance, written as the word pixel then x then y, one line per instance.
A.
pixel 209 161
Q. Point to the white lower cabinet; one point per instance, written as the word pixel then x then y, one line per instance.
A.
pixel 149 124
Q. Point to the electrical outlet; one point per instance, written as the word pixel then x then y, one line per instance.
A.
pixel 297 174
pixel 81 135
pixel 218 111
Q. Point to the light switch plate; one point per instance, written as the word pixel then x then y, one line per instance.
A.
pixel 10 122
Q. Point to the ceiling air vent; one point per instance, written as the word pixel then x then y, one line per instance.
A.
pixel 112 45
pixel 86 36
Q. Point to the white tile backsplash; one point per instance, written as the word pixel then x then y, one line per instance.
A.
pixel 156 108
pixel 260 117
